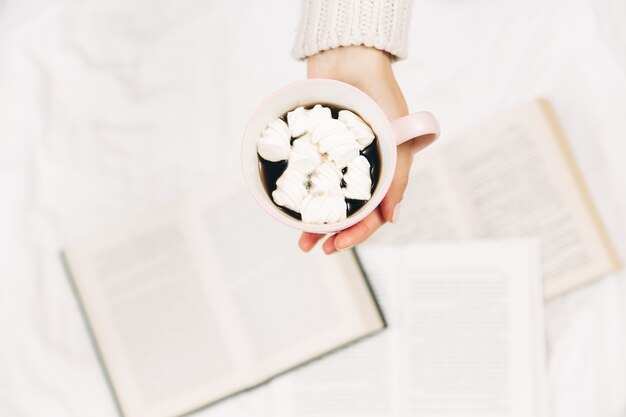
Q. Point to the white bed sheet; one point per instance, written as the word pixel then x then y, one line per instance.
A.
pixel 109 107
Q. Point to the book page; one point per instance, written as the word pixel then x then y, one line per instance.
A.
pixel 472 336
pixel 360 380
pixel 208 297
pixel 463 338
pixel 513 176
pixel 292 305
pixel 516 178
pixel 142 289
pixel 431 209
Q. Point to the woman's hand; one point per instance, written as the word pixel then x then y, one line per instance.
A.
pixel 369 70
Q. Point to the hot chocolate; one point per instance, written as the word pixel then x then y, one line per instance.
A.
pixel 320 163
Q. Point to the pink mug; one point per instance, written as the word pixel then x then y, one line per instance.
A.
pixel 421 127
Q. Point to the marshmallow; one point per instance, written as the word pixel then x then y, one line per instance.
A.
pixel 302 121
pixel 364 134
pixel 290 189
pixel 273 145
pixel 304 155
pixel 326 178
pixel 358 179
pixel 312 183
pixel 317 115
pixel 336 141
pixel 323 208
pixel 331 127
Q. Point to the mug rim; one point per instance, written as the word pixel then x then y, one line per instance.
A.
pixel 379 193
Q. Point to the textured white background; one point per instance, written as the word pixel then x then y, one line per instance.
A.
pixel 109 107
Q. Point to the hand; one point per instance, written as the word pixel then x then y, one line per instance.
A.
pixel 369 70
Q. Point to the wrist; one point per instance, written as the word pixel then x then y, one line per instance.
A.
pixel 348 62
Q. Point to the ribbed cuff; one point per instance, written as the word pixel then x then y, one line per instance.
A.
pixel 327 24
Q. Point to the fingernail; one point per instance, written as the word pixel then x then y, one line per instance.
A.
pixel 396 212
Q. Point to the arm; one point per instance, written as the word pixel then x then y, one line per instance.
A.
pixel 357 43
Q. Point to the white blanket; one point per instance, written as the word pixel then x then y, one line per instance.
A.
pixel 110 107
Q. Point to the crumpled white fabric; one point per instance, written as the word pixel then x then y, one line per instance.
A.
pixel 109 108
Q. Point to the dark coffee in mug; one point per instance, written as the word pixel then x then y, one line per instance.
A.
pixel 271 171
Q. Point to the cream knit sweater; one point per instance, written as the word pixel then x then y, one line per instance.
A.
pixel 326 24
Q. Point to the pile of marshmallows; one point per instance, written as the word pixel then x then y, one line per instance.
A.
pixel 325 151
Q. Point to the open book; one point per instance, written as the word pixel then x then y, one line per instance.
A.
pixel 203 299
pixel 465 338
pixel 511 176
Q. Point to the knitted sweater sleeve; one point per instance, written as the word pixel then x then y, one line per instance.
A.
pixel 326 24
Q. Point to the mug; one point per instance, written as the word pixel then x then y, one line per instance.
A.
pixel 421 127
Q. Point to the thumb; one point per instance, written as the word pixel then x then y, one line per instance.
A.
pixel 400 181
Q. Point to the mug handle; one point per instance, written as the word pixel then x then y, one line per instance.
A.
pixel 422 127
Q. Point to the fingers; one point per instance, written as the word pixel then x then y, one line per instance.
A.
pixel 390 204
pixel 308 240
pixel 387 212
pixel 346 238
pixel 329 245
pixel 359 232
